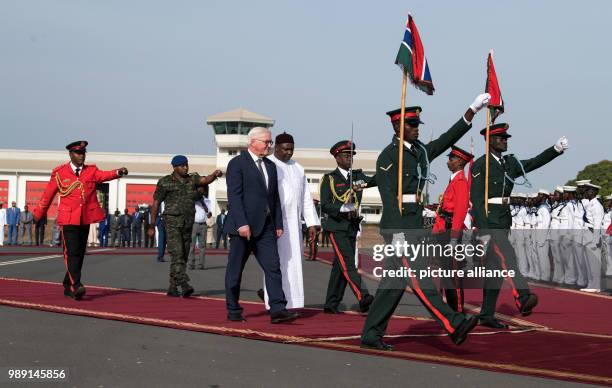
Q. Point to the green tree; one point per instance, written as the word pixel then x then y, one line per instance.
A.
pixel 599 173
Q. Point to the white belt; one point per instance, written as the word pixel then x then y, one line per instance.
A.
pixel 499 200
pixel 409 198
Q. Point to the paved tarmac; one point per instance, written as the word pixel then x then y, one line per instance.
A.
pixel 103 353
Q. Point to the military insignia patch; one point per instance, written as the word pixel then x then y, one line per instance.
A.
pixel 386 168
pixel 340 184
pixel 66 180
pixel 475 175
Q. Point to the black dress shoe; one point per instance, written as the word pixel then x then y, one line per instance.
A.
pixel 173 292
pixel 79 292
pixel 492 323
pixel 187 291
pixel 260 294
pixel 529 303
pixel 332 310
pixel 283 316
pixel 378 345
pixel 235 317
pixel 365 302
pixel 460 334
pixel 68 293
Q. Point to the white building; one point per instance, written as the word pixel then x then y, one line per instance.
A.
pixel 25 173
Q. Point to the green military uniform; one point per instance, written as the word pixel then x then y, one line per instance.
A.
pixel 179 197
pixel 500 253
pixel 336 192
pixel 409 226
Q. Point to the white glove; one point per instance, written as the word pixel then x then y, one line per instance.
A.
pixel 561 144
pixel 347 207
pixel 480 102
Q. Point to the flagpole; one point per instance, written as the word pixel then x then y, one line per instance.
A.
pixel 400 169
pixel 486 196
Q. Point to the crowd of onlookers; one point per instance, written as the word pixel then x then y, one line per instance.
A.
pixel 20 226
pixel 116 230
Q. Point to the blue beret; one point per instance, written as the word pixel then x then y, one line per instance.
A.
pixel 178 160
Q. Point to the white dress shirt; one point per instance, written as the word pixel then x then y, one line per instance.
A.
pixel 263 165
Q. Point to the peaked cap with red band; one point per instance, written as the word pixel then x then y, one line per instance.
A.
pixel 343 146
pixel 79 145
pixel 500 129
pixel 461 153
pixel 410 112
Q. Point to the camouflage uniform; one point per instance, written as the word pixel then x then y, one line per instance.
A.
pixel 179 213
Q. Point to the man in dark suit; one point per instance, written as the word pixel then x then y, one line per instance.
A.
pixel 220 232
pixel 254 224
pixel 126 227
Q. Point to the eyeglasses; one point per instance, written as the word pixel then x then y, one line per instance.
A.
pixel 268 142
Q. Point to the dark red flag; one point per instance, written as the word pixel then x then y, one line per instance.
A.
pixel 496 104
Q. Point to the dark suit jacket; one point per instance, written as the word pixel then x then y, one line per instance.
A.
pixel 219 222
pixel 248 198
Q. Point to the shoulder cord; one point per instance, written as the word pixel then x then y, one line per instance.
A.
pixel 525 181
pixel 430 177
pixel 344 198
pixel 64 191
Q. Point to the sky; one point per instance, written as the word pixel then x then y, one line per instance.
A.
pixel 142 76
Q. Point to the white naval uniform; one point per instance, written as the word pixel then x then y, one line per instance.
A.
pixel 567 242
pixel 521 234
pixel 531 243
pixel 542 243
pixel 578 246
pixel 607 240
pixel 555 238
pixel 296 203
pixel 591 240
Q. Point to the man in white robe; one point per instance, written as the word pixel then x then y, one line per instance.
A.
pixel 296 204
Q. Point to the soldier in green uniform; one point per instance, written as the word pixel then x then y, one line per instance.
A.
pixel 407 226
pixel 178 191
pixel 341 202
pixel 494 226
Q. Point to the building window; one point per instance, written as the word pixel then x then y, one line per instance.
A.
pixel 232 128
pixel 232 152
pixel 369 210
pixel 313 180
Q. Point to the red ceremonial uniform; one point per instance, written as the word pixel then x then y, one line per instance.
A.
pixel 78 203
pixel 78 207
pixel 456 202
pixel 454 205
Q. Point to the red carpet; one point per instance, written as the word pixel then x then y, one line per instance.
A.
pixel 558 309
pixel 558 355
pixel 101 251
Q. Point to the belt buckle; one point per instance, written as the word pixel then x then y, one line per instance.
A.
pixel 505 200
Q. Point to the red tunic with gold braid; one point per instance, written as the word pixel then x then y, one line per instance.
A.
pixel 78 203
pixel 456 202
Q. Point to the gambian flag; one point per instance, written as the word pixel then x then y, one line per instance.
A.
pixel 411 58
pixel 496 104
